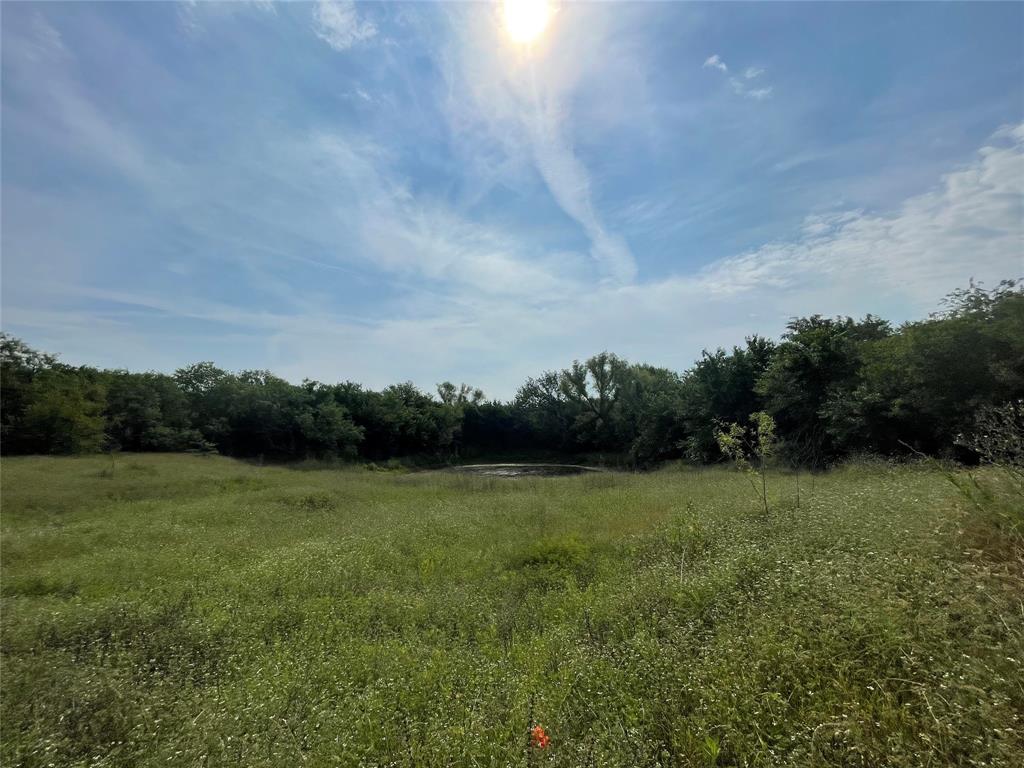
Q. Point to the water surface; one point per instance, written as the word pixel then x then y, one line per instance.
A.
pixel 525 470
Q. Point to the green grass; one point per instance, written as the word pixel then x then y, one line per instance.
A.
pixel 200 611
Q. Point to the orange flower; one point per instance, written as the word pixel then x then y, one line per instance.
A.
pixel 538 738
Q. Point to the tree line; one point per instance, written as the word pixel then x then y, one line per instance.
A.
pixel 834 387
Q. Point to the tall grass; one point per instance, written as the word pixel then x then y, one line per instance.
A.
pixel 199 611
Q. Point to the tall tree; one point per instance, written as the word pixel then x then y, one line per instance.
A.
pixel 818 361
pixel 64 411
pixel 721 389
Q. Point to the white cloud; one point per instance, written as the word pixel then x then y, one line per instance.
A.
pixel 1011 132
pixel 740 88
pixel 494 91
pixel 970 225
pixel 716 62
pixel 350 209
pixel 337 23
pixel 194 15
pixel 72 121
pixel 569 183
pixel 739 84
pixel 417 236
pixel 896 263
pixel 45 43
pixel 801 158
pixel 475 297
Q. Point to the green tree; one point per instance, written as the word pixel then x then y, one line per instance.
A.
pixel 326 426
pixel 147 412
pixel 547 411
pixel 749 448
pixel 594 388
pixel 651 414
pixel 721 388
pixel 924 384
pixel 64 411
pixel 19 365
pixel 817 365
pixel 456 401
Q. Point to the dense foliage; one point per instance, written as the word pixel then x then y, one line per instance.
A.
pixel 834 386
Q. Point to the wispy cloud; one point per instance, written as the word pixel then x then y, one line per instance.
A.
pixel 352 206
pixel 758 94
pixel 416 235
pixel 841 262
pixel 740 85
pixel 488 245
pixel 800 158
pixel 496 89
pixel 194 15
pixel 338 24
pixel 918 251
pixel 73 121
pixel 569 183
pixel 715 61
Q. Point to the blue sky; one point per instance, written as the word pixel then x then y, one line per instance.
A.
pixel 388 192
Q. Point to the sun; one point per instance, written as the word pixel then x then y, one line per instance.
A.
pixel 525 20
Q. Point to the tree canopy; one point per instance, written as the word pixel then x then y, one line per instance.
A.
pixel 833 386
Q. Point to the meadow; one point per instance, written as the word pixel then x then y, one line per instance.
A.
pixel 198 611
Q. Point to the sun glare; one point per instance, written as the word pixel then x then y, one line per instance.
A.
pixel 526 19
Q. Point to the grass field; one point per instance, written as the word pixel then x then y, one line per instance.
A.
pixel 172 610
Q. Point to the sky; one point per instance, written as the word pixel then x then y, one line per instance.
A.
pixel 388 192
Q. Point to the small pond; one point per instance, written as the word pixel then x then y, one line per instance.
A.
pixel 524 470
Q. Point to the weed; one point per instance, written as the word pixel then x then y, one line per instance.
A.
pixel 209 612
